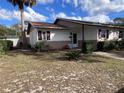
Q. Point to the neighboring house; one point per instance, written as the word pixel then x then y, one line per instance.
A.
pixel 119 21
pixel 65 33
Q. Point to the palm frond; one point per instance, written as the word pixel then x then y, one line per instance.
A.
pixel 30 2
pixel 21 3
pixel 14 2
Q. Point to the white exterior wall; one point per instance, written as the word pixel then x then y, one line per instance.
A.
pixel 77 28
pixel 33 37
pixel 113 34
pixel 90 32
pixel 58 35
pixel 55 35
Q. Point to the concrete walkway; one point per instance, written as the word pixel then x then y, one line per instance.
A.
pixel 111 55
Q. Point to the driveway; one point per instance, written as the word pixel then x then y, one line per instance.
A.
pixel 113 54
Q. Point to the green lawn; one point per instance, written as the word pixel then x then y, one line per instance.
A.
pixel 28 72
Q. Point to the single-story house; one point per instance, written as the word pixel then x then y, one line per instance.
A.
pixel 71 33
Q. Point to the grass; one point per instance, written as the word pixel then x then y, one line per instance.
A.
pixel 49 69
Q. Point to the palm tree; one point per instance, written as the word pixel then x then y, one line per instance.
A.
pixel 21 4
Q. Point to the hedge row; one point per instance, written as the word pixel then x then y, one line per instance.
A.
pixel 5 45
pixel 88 46
pixel 110 45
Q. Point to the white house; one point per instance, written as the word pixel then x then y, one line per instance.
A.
pixel 65 33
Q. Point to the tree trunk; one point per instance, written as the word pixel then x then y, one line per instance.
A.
pixel 23 35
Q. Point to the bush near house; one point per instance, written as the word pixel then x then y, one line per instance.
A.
pixel 110 45
pixel 5 45
pixel 41 46
pixel 100 46
pixel 88 47
pixel 121 44
pixel 72 55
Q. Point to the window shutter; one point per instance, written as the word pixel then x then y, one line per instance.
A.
pixel 107 36
pixel 48 35
pixel 99 33
pixel 120 34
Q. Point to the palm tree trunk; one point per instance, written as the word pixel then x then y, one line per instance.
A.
pixel 23 35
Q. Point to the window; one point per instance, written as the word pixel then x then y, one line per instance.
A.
pixel 48 35
pixel 120 34
pixel 39 35
pixel 103 33
pixel 70 36
pixel 44 36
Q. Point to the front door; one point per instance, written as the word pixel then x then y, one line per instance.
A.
pixel 74 40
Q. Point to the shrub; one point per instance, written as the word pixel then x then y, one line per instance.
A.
pixel 9 44
pixel 121 44
pixel 72 55
pixel 29 46
pixel 88 47
pixel 41 46
pixel 100 46
pixel 109 45
pixel 5 45
pixel 116 45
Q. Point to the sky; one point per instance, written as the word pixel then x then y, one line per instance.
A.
pixel 103 11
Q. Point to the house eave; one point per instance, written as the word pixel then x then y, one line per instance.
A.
pixel 90 23
pixel 51 28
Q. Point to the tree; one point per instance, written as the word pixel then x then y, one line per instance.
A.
pixel 7 31
pixel 21 4
pixel 119 20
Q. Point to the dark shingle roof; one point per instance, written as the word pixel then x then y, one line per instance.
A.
pixel 90 23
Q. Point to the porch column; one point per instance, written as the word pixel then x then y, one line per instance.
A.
pixel 82 37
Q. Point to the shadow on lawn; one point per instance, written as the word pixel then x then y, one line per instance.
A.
pixel 84 59
pixel 120 91
pixel 26 53
pixel 56 55
pixel 46 55
pixel 92 59
pixel 118 53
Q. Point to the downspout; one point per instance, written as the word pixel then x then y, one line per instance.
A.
pixel 82 38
